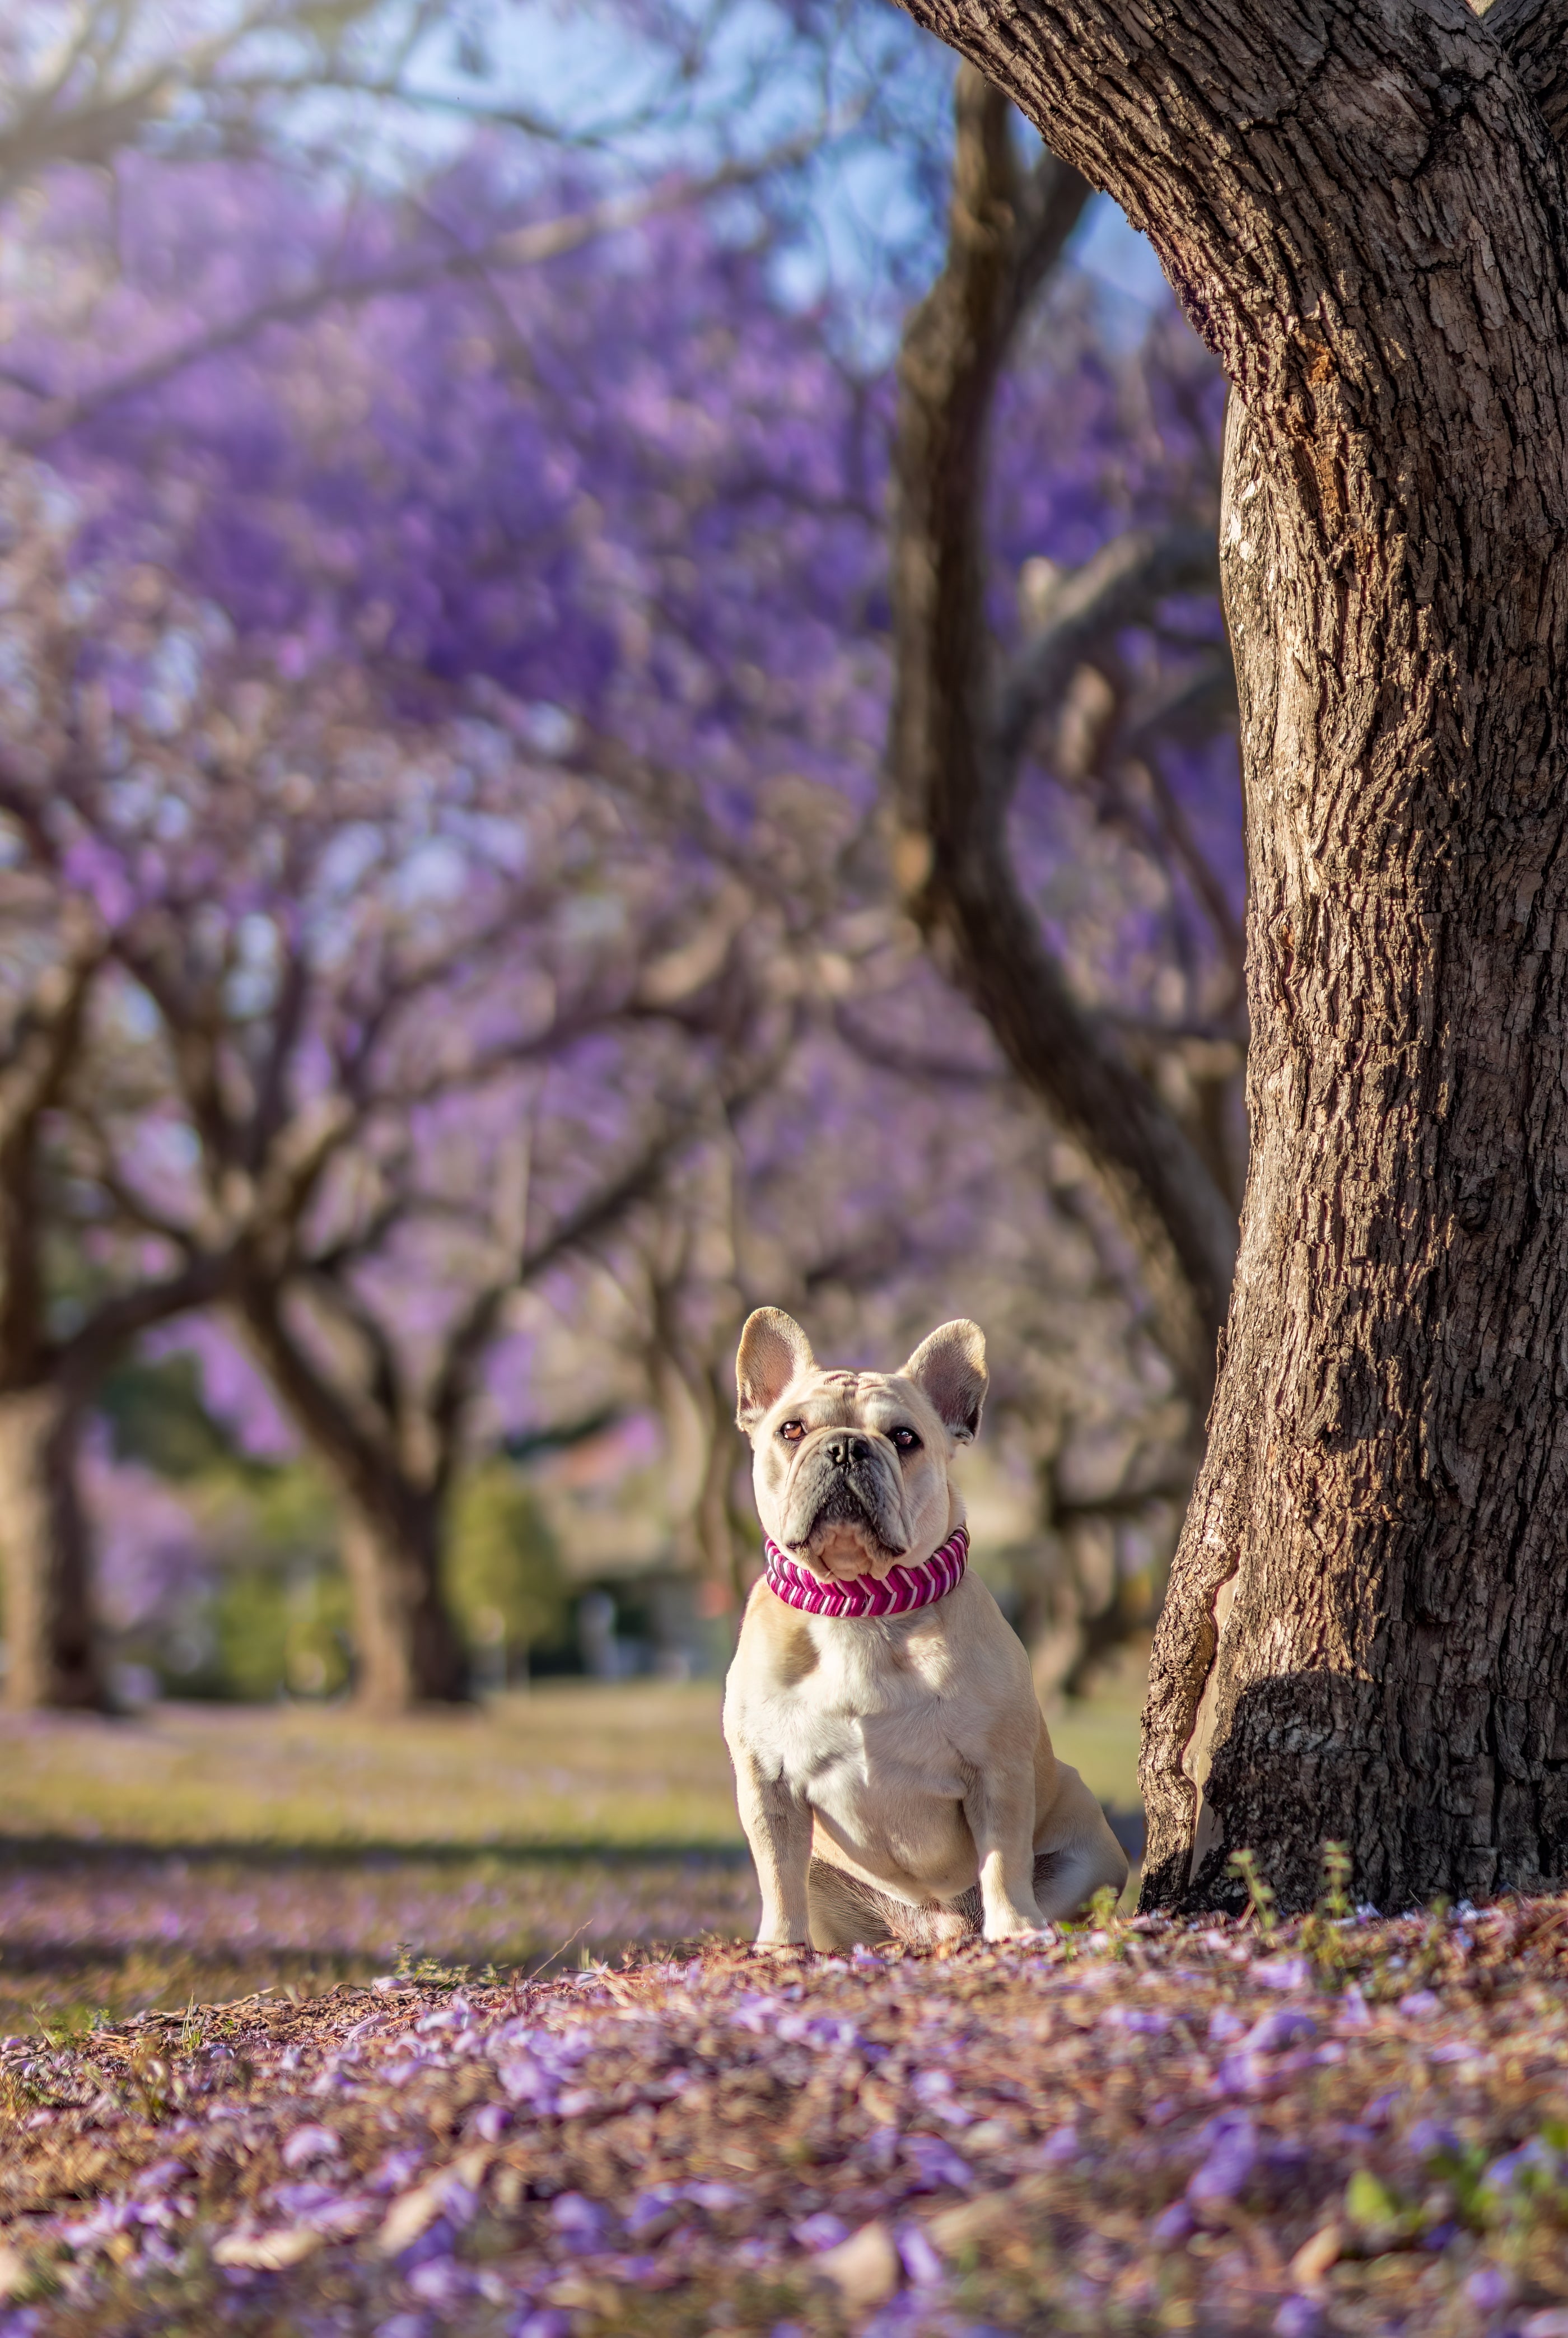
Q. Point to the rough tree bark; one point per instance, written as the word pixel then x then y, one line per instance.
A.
pixel 1361 205
pixel 52 1658
pixel 407 1652
pixel 46 1389
pixel 392 1510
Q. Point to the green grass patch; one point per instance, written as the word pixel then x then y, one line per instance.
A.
pixel 203 1851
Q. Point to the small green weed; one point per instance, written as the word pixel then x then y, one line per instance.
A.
pixel 1262 1903
pixel 1323 1932
pixel 429 1972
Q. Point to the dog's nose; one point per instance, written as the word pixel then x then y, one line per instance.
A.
pixel 843 1450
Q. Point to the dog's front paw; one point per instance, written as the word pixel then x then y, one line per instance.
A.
pixel 1019 1927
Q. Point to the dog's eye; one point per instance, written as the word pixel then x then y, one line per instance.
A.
pixel 793 1432
pixel 906 1440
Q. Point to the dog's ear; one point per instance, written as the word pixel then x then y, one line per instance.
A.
pixel 950 1368
pixel 774 1351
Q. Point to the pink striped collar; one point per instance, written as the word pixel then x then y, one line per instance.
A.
pixel 903 1588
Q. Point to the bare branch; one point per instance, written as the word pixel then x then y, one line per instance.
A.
pixel 951 784
pixel 476 1326
pixel 1122 585
pixel 82 1359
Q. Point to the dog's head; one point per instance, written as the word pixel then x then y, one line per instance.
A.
pixel 851 1468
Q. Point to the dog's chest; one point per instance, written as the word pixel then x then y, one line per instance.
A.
pixel 869 1715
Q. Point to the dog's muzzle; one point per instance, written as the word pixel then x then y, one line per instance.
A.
pixel 846 1479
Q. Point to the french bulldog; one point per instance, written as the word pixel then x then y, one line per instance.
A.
pixel 892 1768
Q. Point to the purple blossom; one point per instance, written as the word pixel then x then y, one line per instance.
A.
pixel 715 2198
pixel 1242 2074
pixel 1430 2138
pixel 300 2201
pixel 879 2149
pixel 1231 2143
pixel 459 2201
pixel 900 2318
pixel 816 2030
pixel 441 2281
pixel 1300 2317
pixel 435 2241
pixel 756 2011
pixel 934 2089
pixel 1143 2021
pixel 397 2171
pixel 936 2163
pixel 1173 2226
pixel 918 2258
pixel 582 2223
pixel 309 2143
pixel 162 2175
pixel 1283 1973
pixel 1488 2288
pixel 821 2231
pixel 1532 2163
pixel 525 2082
pixel 649 2206
pixel 1272 2032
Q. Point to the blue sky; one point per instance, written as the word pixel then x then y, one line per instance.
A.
pixel 862 217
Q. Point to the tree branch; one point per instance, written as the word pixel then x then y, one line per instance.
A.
pixel 86 1355
pixel 1121 585
pixel 951 782
pixel 477 1324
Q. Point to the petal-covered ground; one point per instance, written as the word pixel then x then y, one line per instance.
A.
pixel 119 1930
pixel 1357 2127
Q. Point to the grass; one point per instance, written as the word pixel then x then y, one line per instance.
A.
pixel 622 1768
pixel 1099 1734
pixel 203 1851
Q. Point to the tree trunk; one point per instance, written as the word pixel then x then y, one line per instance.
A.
pixel 1365 1639
pixel 51 1652
pixel 406 1649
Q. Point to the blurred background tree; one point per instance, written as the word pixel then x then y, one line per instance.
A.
pixel 503 1572
pixel 452 631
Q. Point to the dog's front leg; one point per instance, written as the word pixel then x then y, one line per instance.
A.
pixel 1001 1814
pixel 778 1824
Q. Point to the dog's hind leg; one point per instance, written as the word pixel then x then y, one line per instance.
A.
pixel 1067 1881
